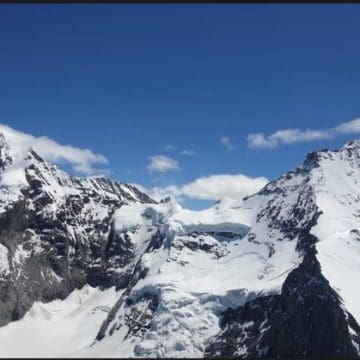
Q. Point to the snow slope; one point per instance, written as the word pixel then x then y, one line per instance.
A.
pixel 59 328
pixel 337 183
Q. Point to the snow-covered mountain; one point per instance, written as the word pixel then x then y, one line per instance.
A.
pixel 55 231
pixel 101 269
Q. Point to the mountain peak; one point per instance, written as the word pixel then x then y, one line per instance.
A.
pixel 13 152
pixel 353 144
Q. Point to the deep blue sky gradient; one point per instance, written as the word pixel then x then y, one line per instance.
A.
pixel 126 80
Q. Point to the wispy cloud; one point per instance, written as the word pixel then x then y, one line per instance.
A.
pixel 187 152
pixel 292 136
pixel 170 147
pixel 162 163
pixel 183 152
pixel 81 160
pixel 286 137
pixel 212 187
pixel 226 141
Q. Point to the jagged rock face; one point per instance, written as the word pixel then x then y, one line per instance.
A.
pixel 55 232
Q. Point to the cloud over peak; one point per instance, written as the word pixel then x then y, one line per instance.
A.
pixel 81 160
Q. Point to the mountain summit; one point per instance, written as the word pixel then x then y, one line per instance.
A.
pixel 103 269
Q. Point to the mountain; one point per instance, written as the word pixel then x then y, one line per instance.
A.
pixel 99 268
pixel 55 232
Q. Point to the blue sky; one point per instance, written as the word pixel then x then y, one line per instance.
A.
pixel 126 81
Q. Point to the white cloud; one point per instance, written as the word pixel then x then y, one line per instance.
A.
pixel 212 187
pixel 292 136
pixel 226 141
pixel 161 163
pixel 188 152
pixel 82 160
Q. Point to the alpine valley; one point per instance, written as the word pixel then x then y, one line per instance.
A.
pixel 93 267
